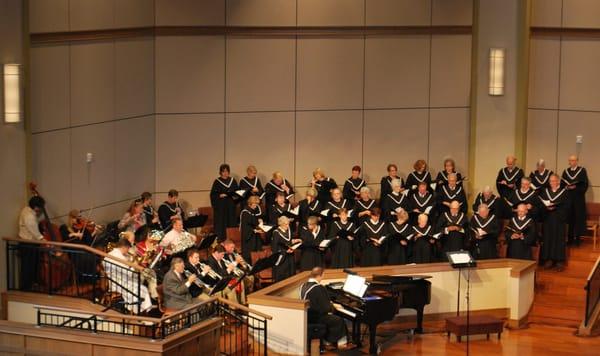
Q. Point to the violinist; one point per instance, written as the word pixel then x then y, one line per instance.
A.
pixel 134 218
pixel 29 230
pixel 78 230
pixel 151 214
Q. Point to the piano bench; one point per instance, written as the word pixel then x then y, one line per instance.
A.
pixel 316 332
pixel 477 325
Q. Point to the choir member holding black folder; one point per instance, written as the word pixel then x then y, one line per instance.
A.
pixel 323 185
pixel 449 168
pixel 353 184
pixel 251 225
pixel 373 234
pixel 223 198
pixel 484 233
pixel 449 192
pixel 539 177
pixel 284 245
pixel 556 203
pixel 422 202
pixel 452 226
pixel 386 182
pixel 394 201
pixel 400 231
pixel 312 236
pixel 490 199
pixel 507 181
pixel 250 185
pixel 363 206
pixel 277 184
pixel 525 195
pixel 342 235
pixel 575 180
pixel 419 175
pixel 520 234
pixel 424 240
pixel 309 206
pixel 336 203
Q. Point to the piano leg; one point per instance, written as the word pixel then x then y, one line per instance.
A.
pixel 372 339
pixel 419 329
pixel 356 333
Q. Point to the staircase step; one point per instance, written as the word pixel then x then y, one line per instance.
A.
pixel 558 312
pixel 554 321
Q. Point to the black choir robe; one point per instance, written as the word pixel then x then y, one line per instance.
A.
pixel 554 225
pixel 277 211
pixel 386 185
pixel 224 209
pixel 391 202
pixel 486 246
pixel 362 206
pixel 342 247
pixel 271 190
pixel 425 204
pixel 247 184
pixel 335 206
pixel 520 248
pixel 511 177
pixel 577 215
pixel 149 213
pixel 528 197
pixel 352 187
pixel 452 240
pixel 320 310
pixel 495 207
pixel 372 255
pixel 446 195
pixel 311 256
pixel 398 253
pixel 540 180
pixel 309 209
pixel 251 241
pixel 324 188
pixel 165 211
pixel 285 266
pixel 422 245
pixel 442 179
pixel 414 178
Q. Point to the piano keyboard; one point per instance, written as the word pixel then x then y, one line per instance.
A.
pixel 341 309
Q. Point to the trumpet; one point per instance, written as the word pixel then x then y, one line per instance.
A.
pixel 212 274
pixel 237 271
pixel 197 281
pixel 236 255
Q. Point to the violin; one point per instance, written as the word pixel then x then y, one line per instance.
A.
pixel 85 224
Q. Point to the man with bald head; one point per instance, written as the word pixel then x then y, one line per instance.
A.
pixel 575 181
pixel 508 178
pixel 453 226
pixel 520 234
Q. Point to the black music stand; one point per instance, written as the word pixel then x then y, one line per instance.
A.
pixel 260 265
pixel 195 221
pixel 207 242
pixel 459 260
pixel 221 284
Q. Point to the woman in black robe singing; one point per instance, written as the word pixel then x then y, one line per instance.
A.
pixel 424 240
pixel 353 184
pixel 251 219
pixel 575 181
pixel 309 206
pixel 373 234
pixel 395 201
pixel 223 200
pixel 277 184
pixel 386 182
pixel 312 253
pixel 520 235
pixel 251 186
pixel 363 206
pixel 399 231
pixel 323 185
pixel 419 175
pixel 285 265
pixel 342 233
pixel 484 233
pixel 556 203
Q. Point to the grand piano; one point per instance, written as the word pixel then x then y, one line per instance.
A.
pixel 384 297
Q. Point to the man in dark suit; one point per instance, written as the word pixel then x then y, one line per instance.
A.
pixel 176 286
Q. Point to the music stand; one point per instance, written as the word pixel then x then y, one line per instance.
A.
pixel 259 266
pixel 195 221
pixel 221 284
pixel 459 260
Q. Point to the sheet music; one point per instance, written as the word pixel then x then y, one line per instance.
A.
pixel 296 210
pixel 240 192
pixel 324 243
pixel 428 210
pixel 265 228
pixel 433 185
pixel 461 258
pixel 325 212
pixel 295 246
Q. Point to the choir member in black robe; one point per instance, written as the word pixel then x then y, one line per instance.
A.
pixel 170 210
pixel 556 203
pixel 323 185
pixel 251 218
pixel 320 309
pixel 342 233
pixel 422 202
pixel 363 206
pixel 484 230
pixel 442 177
pixel 520 235
pixel 539 177
pixel 152 219
pixel 575 180
pixel 282 208
pixel 285 266
pixel 277 184
pixel 528 196
pixel 353 184
pixel 336 203
pixel 490 199
pixel 251 186
pixel 309 206
pixel 386 182
pixel 371 233
pixel 419 175
pixel 451 192
pixel 312 253
pixel 424 240
pixel 508 178
pixel 395 201
pixel 399 232
pixel 453 225
pixel 223 199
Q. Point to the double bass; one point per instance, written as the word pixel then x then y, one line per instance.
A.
pixel 56 269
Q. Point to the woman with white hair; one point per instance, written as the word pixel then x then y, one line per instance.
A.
pixel 282 243
pixel 393 202
pixel 484 233
pixel 363 206
pixel 488 198
pixel 539 177
pixel 400 230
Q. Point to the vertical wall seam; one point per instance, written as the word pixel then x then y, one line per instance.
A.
pixel 364 84
pixel 560 45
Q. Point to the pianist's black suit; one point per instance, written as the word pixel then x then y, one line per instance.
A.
pixel 320 311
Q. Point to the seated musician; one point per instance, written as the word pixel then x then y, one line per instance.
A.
pixel 134 218
pixel 177 241
pixel 240 264
pixel 200 288
pixel 151 214
pixel 147 246
pixel 217 264
pixel 29 230
pixel 122 279
pixel 320 310
pixel 176 286
pixel 74 232
pixel 170 210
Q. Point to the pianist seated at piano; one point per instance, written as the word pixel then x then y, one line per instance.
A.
pixel 320 311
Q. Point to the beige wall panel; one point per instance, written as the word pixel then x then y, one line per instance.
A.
pixel 330 73
pixel 580 75
pixel 544 63
pixel 450 70
pixel 398 13
pixel 49 76
pixel 134 77
pixel 330 140
pixel 546 13
pixel 593 194
pixel 260 74
pixel 190 201
pixel 111 212
pixel 393 136
pixel 189 150
pixel 452 12
pixel 397 72
pixel 265 140
pixel 190 74
pixel 581 13
pixel 134 13
pixel 92 82
pixel 91 14
pixel 586 124
pixel 134 159
pixel 51 169
pixel 93 184
pixel 261 12
pixel 48 15
pixel 541 139
pixel 449 138
pixel 331 12
pixel 190 12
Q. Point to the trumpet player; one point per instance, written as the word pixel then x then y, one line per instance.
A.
pixel 176 286
pixel 200 287
pixel 241 266
pixel 177 241
pixel 217 264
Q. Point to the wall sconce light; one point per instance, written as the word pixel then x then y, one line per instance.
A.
pixel 13 112
pixel 497 56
